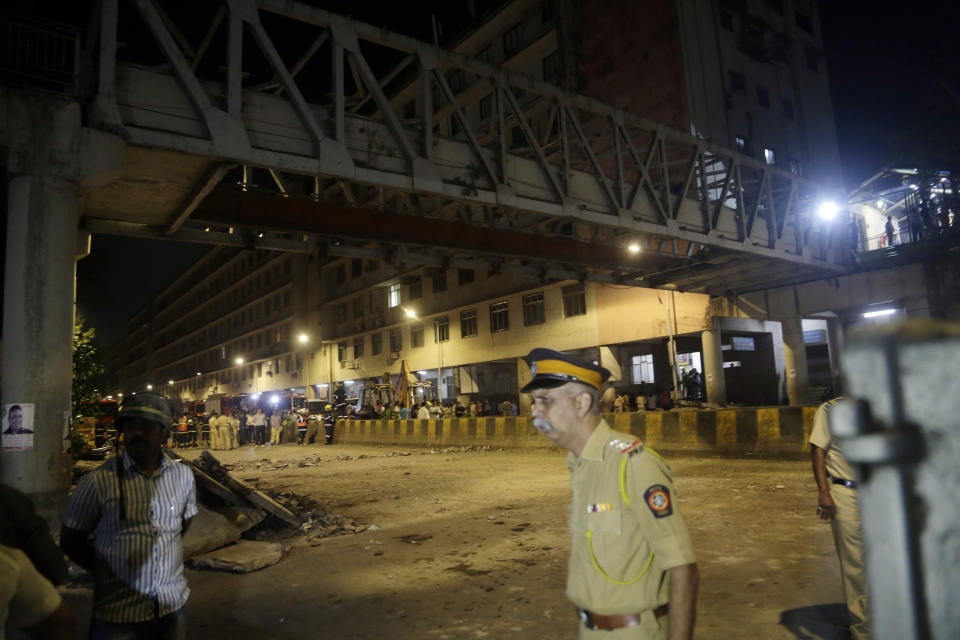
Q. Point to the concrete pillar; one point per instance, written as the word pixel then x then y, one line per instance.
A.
pixel 835 345
pixel 524 376
pixel 713 378
pixel 38 327
pixel 795 361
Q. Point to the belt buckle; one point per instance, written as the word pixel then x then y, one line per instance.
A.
pixel 586 619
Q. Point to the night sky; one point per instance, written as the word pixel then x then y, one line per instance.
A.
pixel 896 87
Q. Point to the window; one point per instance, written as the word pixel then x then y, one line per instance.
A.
pixel 795 167
pixel 341 272
pixel 394 298
pixel 464 276
pixel 738 82
pixel 416 289
pixel 533 311
pixel 468 323
pixel 499 316
pixel 341 353
pixel 768 156
pixel 416 336
pixel 358 347
pixel 742 145
pixel 574 301
pixel 457 80
pixel 358 307
pixel 356 267
pixel 813 59
pixel 376 344
pixel 396 340
pixel 486 106
pixel 440 282
pixel 341 311
pixel 763 96
pixel 726 20
pixel 642 368
pixel 511 40
pixel 787 109
pixel 548 10
pixel 551 68
pixel 443 329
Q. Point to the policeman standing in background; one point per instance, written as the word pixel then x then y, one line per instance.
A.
pixel 632 572
pixel 329 420
pixel 837 502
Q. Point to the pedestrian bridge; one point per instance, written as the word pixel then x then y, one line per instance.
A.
pixel 275 124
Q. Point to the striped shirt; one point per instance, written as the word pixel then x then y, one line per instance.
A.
pixel 138 571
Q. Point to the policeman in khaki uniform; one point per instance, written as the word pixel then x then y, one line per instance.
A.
pixel 837 502
pixel 632 572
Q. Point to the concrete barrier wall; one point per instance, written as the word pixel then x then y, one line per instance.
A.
pixel 742 431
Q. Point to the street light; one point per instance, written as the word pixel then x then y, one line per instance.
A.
pixel 633 247
pixel 170 382
pixel 827 210
pixel 410 313
pixel 303 338
pixel 239 360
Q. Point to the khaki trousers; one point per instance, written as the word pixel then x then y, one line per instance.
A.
pixel 848 537
pixel 275 435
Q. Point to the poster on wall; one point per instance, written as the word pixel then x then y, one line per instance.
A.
pixel 17 427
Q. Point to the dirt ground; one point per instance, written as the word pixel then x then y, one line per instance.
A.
pixel 473 544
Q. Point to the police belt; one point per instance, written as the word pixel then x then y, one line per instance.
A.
pixel 594 621
pixel 849 484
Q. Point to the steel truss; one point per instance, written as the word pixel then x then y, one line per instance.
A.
pixel 370 118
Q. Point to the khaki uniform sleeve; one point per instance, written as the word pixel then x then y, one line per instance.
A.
pixel 653 500
pixel 35 598
pixel 820 434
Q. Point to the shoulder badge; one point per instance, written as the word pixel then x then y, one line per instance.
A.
pixel 657 498
pixel 624 446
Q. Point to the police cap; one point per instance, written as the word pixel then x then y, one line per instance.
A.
pixel 554 369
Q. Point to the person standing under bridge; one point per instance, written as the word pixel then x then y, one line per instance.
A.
pixel 837 502
pixel 632 572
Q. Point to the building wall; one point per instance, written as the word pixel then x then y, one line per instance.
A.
pixel 629 55
pixel 630 313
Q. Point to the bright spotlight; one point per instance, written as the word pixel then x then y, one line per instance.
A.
pixel 274 399
pixel 239 360
pixel 827 210
pixel 199 374
pixel 303 337
pixel 149 387
pixel 170 382
pixel 879 313
pixel 633 248
pixel 411 313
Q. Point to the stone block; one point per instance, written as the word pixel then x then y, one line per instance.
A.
pixel 243 557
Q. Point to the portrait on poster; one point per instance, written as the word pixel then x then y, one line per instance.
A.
pixel 16 430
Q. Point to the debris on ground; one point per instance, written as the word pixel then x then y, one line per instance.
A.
pixel 243 557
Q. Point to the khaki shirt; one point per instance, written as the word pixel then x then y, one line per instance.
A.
pixel 622 537
pixel 837 465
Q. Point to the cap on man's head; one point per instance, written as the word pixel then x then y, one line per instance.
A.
pixel 554 369
pixel 147 406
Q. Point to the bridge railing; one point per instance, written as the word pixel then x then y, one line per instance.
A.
pixel 379 118
pixel 43 54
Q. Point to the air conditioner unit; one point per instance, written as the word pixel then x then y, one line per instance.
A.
pixel 346 364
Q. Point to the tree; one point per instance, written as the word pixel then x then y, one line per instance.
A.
pixel 87 369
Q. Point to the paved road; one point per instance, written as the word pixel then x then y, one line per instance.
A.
pixel 473 544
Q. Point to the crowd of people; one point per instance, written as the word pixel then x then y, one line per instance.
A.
pixel 238 428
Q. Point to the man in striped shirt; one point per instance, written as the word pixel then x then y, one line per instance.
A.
pixel 124 523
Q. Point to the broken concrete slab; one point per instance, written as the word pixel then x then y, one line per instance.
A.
pixel 208 531
pixel 243 557
pixel 244 518
pixel 212 467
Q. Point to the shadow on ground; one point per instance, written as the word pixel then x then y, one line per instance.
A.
pixel 819 622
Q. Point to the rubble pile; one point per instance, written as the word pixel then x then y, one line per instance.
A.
pixel 241 528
